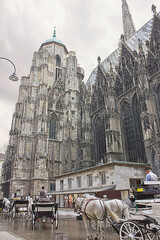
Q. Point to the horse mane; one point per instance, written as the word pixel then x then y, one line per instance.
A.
pixel 89 196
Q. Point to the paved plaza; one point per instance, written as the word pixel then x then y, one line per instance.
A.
pixel 69 229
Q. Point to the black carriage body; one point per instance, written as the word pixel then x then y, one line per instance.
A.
pixel 20 206
pixel 1 204
pixel 43 210
pixel 147 191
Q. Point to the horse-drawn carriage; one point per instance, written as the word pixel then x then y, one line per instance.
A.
pixel 135 226
pixel 1 204
pixel 43 211
pixel 19 207
pixel 139 226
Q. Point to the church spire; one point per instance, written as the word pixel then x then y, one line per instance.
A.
pixel 128 26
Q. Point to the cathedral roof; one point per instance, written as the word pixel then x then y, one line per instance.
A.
pixel 54 40
pixel 143 33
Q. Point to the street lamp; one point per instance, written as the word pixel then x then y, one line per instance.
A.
pixel 13 77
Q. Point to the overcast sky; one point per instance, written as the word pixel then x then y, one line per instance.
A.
pixel 91 28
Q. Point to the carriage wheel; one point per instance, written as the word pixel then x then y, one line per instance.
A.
pixel 56 219
pixel 130 231
pixel 14 213
pixel 33 221
pixel 153 236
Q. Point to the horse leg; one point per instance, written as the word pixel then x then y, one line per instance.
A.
pixel 101 233
pixel 86 226
pixel 89 228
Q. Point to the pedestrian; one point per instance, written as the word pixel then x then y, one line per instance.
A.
pixel 150 176
pixel 43 192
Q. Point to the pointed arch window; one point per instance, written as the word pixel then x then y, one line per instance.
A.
pixel 58 61
pixel 118 87
pixel 94 103
pixel 128 132
pixel 100 98
pixel 128 79
pixel 100 139
pixel 132 131
pixel 58 67
pixel 52 127
pixel 138 130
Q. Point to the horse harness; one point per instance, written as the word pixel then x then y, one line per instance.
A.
pixel 88 215
pixel 124 208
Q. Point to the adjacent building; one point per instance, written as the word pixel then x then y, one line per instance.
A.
pixel 2 157
pixel 64 129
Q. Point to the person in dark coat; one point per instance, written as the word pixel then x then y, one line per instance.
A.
pixel 43 192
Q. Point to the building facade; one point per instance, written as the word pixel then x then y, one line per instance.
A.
pixel 62 125
pixel 2 157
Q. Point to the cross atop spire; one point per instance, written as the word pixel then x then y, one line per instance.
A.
pixel 54 33
pixel 128 25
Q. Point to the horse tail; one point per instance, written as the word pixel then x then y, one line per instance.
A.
pixel 126 211
pixel 111 213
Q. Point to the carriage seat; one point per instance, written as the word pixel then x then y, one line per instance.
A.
pixel 41 199
pixel 143 218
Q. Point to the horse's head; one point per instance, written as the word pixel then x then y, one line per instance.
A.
pixel 78 204
pixel 30 201
pixel 4 200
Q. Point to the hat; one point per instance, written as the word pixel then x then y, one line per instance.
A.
pixel 148 168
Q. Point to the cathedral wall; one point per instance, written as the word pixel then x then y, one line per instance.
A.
pixel 20 187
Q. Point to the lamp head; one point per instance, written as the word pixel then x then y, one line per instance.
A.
pixel 13 77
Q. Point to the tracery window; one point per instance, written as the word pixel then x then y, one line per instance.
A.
pixel 52 127
pixel 118 87
pixel 128 80
pixel 132 131
pixel 128 133
pixel 138 130
pixel 58 67
pixel 100 98
pixel 100 140
pixel 58 61
pixel 94 103
pixel 59 106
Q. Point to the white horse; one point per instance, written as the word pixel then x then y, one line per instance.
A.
pixel 117 206
pixel 7 205
pixel 94 209
pixel 30 208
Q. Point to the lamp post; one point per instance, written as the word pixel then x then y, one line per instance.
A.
pixel 13 77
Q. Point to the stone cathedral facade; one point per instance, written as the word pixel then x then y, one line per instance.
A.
pixel 63 125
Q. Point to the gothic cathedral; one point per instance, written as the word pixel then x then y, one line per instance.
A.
pixel 61 124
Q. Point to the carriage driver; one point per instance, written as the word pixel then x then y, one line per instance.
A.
pixel 150 176
pixel 43 192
